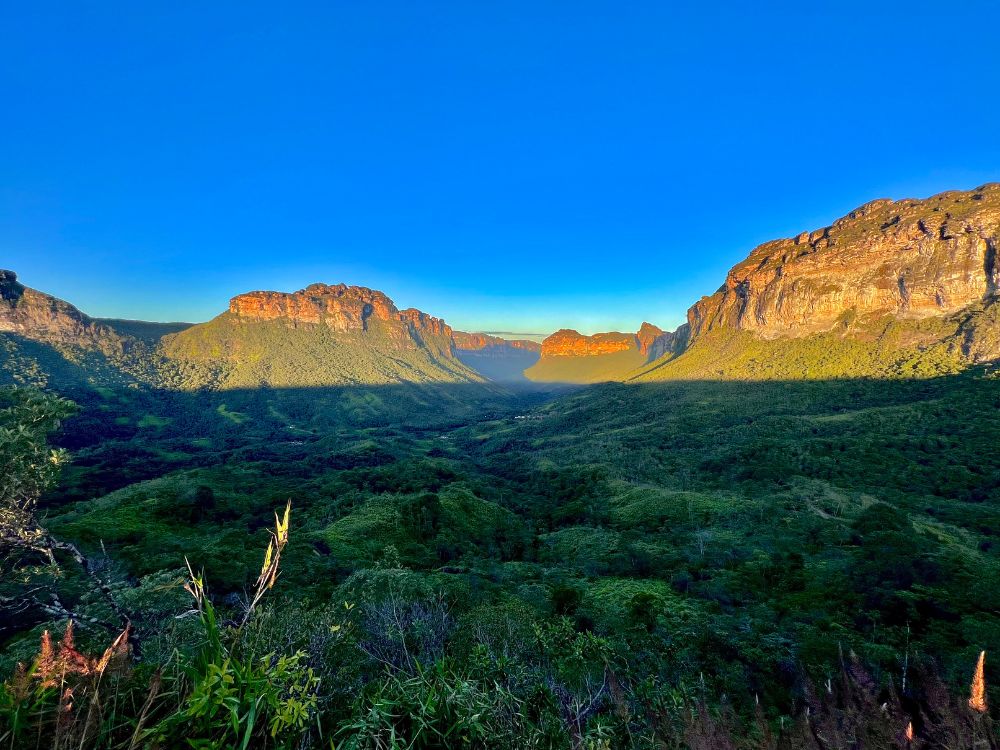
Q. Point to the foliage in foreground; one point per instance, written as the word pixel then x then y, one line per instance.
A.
pixel 628 614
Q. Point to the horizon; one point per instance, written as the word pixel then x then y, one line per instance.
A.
pixel 511 169
pixel 505 334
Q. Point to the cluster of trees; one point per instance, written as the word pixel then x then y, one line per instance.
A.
pixel 692 565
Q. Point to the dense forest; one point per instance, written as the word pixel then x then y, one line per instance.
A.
pixel 698 563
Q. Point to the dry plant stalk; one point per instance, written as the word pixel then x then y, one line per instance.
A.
pixel 55 663
pixel 977 691
pixel 269 570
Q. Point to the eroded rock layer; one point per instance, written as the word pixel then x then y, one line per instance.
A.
pixel 907 258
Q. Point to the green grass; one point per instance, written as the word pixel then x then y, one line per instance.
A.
pixel 233 416
pixel 592 369
pixel 151 420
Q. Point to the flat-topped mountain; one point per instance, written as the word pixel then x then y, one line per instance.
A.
pixel 893 288
pixel 909 258
pixel 502 360
pixel 571 357
pixel 339 307
pixel 321 335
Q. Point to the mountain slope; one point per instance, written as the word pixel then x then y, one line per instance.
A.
pixel 45 341
pixel 568 356
pixel 319 336
pixel 41 317
pixel 501 360
pixel 895 288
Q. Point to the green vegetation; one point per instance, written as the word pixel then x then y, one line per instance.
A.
pixel 597 368
pixel 627 565
pixel 229 353
pixel 885 347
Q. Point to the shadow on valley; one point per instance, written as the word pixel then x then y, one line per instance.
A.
pixel 721 538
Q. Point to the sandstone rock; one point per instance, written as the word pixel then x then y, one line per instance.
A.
pixel 480 341
pixel 569 343
pixel 42 317
pixel 341 308
pixel 651 341
pixel 908 258
pixel 654 342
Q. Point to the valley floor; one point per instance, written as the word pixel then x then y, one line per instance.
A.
pixel 614 557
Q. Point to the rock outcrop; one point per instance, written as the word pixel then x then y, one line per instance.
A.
pixel 906 258
pixel 651 341
pixel 339 307
pixel 483 341
pixel 569 343
pixel 570 357
pixel 502 360
pixel 41 317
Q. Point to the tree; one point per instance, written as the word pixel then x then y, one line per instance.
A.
pixel 30 467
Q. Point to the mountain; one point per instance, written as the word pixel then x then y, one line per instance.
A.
pixel 34 315
pixel 45 341
pixel 318 336
pixel 895 288
pixel 570 357
pixel 501 360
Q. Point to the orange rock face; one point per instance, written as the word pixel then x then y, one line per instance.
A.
pixel 910 258
pixel 35 315
pixel 340 307
pixel 476 341
pixel 654 342
pixel 570 343
pixel 651 341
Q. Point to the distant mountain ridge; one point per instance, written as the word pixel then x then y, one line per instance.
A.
pixel 499 359
pixel 321 335
pixel 895 288
pixel 569 356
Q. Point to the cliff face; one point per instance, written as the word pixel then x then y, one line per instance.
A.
pixel 907 258
pixel 654 342
pixel 570 343
pixel 483 341
pixel 502 360
pixel 339 307
pixel 321 335
pixel 41 317
pixel 651 341
pixel 570 357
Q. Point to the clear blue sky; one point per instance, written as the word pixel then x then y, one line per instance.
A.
pixel 506 165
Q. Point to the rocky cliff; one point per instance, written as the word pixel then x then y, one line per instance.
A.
pixel 908 258
pixel 571 357
pixel 43 318
pixel 341 308
pixel 321 335
pixel 502 360
pixel 650 341
pixel 483 341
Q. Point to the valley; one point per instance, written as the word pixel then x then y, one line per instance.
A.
pixel 671 534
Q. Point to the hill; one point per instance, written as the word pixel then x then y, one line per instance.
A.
pixel 501 360
pixel 319 336
pixel 568 356
pixel 902 288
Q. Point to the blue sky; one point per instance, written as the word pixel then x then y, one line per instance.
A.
pixel 508 166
